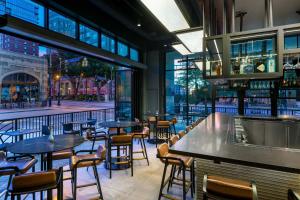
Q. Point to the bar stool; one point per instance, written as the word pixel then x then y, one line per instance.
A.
pixel 120 141
pixel 114 131
pixel 181 134
pixel 221 187
pixel 174 139
pixel 163 130
pixel 90 125
pixel 141 138
pixel 87 160
pixel 175 160
pixel 151 123
pixel 188 128
pixel 94 136
pixel 10 166
pixel 37 182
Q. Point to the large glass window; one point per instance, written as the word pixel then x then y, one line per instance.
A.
pixel 188 96
pixel 62 24
pixel 24 9
pixel 134 54
pixel 122 49
pixel 88 35
pixel 107 43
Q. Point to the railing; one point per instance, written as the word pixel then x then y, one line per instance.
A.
pixel 56 121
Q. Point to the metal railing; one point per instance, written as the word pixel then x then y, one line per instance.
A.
pixel 54 120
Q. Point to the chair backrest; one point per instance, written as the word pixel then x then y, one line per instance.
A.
pixel 92 122
pixel 101 152
pixel 181 134
pixel 121 139
pixel 174 120
pixel 45 130
pixel 229 188
pixel 68 127
pixel 163 150
pixel 163 123
pixel 174 139
pixel 151 119
pixel 115 130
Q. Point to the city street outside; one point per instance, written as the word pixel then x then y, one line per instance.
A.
pixel 65 107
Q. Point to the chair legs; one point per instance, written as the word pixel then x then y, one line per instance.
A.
pixel 74 182
pixel 98 182
pixel 162 181
pixel 172 178
pixel 8 184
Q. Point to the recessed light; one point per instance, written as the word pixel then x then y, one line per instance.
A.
pixel 139 25
pixel 165 45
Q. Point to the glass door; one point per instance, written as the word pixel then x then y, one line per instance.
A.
pixel 124 93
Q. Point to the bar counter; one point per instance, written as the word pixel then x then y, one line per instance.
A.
pixel 212 143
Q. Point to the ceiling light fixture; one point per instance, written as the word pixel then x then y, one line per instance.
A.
pixel 168 13
pixel 193 40
pixel 181 49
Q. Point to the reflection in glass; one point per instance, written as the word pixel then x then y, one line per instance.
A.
pixel 122 49
pixel 107 43
pixel 24 9
pixel 134 54
pixel 253 56
pixel 88 35
pixel 61 24
pixel 214 57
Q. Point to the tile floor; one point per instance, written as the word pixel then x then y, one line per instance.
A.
pixel 144 185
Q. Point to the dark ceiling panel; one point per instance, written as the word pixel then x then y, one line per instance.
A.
pixel 121 17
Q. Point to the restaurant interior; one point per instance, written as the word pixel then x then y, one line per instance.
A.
pixel 150 99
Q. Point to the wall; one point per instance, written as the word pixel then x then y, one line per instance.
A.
pixel 153 78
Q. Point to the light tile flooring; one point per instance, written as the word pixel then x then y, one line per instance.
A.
pixel 144 185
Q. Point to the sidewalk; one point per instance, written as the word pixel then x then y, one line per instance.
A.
pixel 66 106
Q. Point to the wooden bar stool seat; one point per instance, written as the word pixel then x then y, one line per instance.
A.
pixel 217 186
pixel 141 137
pixel 181 134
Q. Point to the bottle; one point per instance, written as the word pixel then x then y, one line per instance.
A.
pixel 51 137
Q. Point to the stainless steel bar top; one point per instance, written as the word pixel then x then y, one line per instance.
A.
pixel 213 139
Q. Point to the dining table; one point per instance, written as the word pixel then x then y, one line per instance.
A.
pixel 118 125
pixel 42 145
pixel 19 134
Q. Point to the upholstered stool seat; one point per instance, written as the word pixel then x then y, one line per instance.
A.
pixel 141 138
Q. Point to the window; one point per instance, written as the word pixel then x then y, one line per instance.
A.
pixel 291 42
pixel 88 35
pixel 187 94
pixel 134 54
pixel 24 9
pixel 122 49
pixel 61 24
pixel 108 43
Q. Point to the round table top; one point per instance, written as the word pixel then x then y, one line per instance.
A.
pixel 120 124
pixel 43 145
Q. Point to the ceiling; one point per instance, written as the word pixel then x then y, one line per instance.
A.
pixel 122 16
